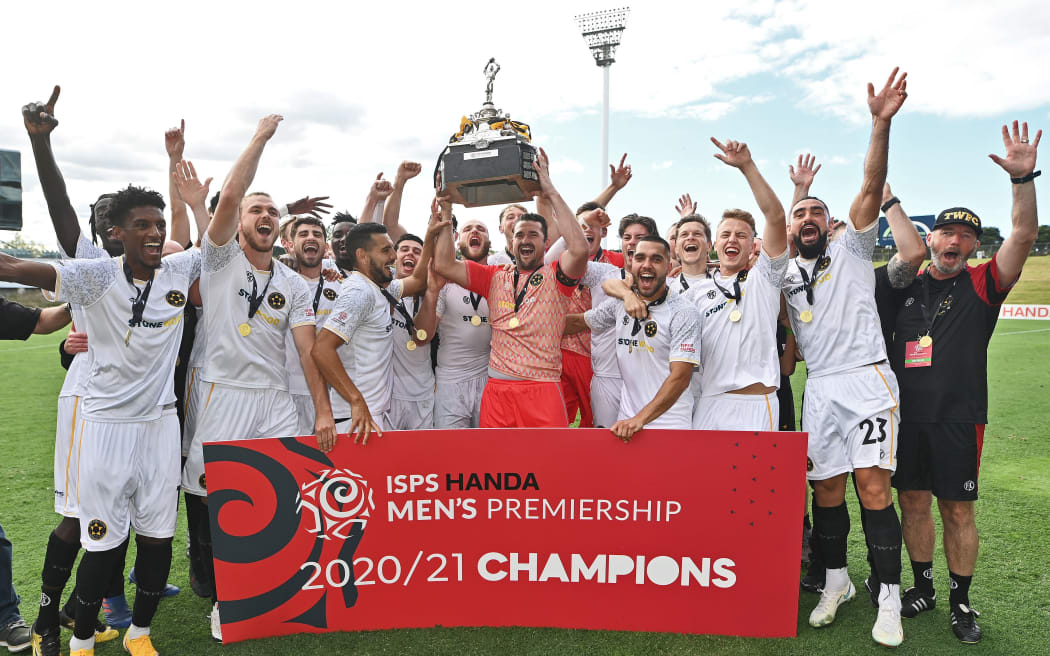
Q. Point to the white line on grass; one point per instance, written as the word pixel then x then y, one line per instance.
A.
pixel 1016 332
pixel 35 348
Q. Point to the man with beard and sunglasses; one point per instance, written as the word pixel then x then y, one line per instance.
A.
pixel 250 303
pixel 850 410
pixel 128 429
pixel 939 328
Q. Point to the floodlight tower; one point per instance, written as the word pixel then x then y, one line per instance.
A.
pixel 602 30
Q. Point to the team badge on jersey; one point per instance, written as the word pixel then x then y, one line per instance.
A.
pixel 650 329
pixel 536 280
pixel 711 294
pixel 175 298
pixel 202 482
pixel 809 464
pixel 329 293
pixel 97 529
pixel 276 300
pixel 824 263
pixel 626 319
pixel 908 303
pixel 742 276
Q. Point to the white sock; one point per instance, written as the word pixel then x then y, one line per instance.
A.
pixel 836 579
pixel 137 632
pixel 890 596
pixel 76 643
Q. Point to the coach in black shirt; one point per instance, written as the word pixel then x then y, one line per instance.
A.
pixel 937 331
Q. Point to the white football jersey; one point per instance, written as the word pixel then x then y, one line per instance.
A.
pixel 323 293
pixel 76 377
pixel 132 359
pixel 413 376
pixel 463 348
pixel 844 331
pixel 739 353
pixel 646 349
pixel 248 352
pixel 501 257
pixel 603 342
pixel 361 317
pixel 683 283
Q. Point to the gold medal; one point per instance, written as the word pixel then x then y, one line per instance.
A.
pixel 735 315
pixel 475 320
pixel 925 341
pixel 806 316
pixel 127 338
pixel 421 335
pixel 514 323
pixel 244 329
pixel 411 346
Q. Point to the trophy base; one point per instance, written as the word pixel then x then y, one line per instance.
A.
pixel 500 174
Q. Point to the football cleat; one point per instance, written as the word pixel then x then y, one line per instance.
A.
pixel 141 646
pixel 828 606
pixel 103 633
pixel 117 613
pixel 48 643
pixel 216 625
pixel 888 631
pixel 916 601
pixel 964 624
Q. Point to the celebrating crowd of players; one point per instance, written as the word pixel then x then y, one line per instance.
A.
pixel 374 329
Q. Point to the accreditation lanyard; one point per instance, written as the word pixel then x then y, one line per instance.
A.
pixel 138 304
pixel 930 313
pixel 255 301
pixel 520 296
pixel 638 322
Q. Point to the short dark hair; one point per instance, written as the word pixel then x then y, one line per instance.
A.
pixel 636 219
pixel 92 222
pixel 360 236
pixel 697 218
pixel 307 220
pixel 826 210
pixel 587 207
pixel 537 218
pixel 656 239
pixel 408 236
pixel 214 202
pixel 343 217
pixel 128 199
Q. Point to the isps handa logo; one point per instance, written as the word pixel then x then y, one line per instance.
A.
pixel 336 500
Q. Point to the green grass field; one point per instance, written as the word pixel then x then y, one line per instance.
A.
pixel 1010 588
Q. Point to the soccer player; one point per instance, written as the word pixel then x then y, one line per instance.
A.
pixel 659 351
pixel 739 307
pixel 527 313
pixel 128 430
pixel 412 395
pixel 342 223
pixel 250 303
pixel 354 350
pixel 850 408
pixel 940 326
pixel 632 228
pixel 694 247
pixel 308 248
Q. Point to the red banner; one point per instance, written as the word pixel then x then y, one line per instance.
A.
pixel 678 531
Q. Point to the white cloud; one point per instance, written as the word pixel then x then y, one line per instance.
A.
pixel 661 166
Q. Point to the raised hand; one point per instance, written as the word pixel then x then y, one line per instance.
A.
pixel 315 207
pixel 380 189
pixel 620 175
pixel 175 141
pixel 543 171
pixel 685 206
pixel 734 153
pixel 408 170
pixel 887 193
pixel 1020 154
pixel 804 174
pixel 40 117
pixel 890 98
pixel 192 191
pixel 268 126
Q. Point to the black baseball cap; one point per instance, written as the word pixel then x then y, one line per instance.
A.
pixel 958 216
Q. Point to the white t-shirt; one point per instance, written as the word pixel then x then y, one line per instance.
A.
pixel 741 353
pixel 255 360
pixel 75 382
pixel 413 376
pixel 463 349
pixel 646 350
pixel 132 365
pixel 845 331
pixel 361 317
pixel 323 293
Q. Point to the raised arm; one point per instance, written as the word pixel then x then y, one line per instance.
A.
pixel 865 208
pixel 619 176
pixel 24 272
pixel 175 143
pixel 416 284
pixel 392 211
pixel 427 317
pixel 40 120
pixel 223 226
pixel 445 262
pixel 802 177
pixel 774 235
pixel 1020 164
pixel 193 193
pixel 685 206
pixel 374 202
pixel 574 259
pixel 911 249
pixel 51 319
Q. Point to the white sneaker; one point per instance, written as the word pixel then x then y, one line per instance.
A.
pixel 216 626
pixel 830 600
pixel 888 631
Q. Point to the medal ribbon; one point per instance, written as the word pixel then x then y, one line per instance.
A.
pixel 638 322
pixel 520 296
pixel 924 305
pixel 138 304
pixel 736 296
pixel 255 301
pixel 808 278
pixel 410 325
pixel 475 301
pixel 317 294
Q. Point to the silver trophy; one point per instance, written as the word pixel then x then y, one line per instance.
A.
pixel 490 160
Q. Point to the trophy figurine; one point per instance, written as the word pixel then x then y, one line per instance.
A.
pixel 489 161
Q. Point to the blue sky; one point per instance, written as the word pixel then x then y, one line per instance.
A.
pixel 364 87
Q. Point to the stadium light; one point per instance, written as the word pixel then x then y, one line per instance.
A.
pixel 602 30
